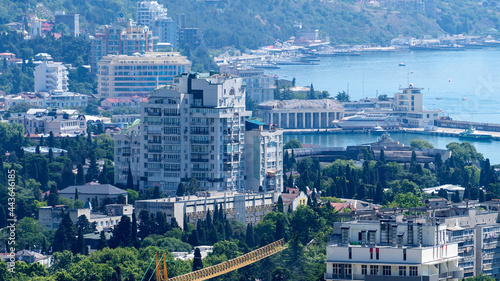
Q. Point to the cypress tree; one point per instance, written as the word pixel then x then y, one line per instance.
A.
pixel 130 180
pixel 103 243
pixel 135 240
pixel 250 238
pixel 197 262
pixel 80 177
pixel 53 196
pixel 173 223
pixel 280 204
pixel 382 156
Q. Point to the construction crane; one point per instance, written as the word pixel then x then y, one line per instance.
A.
pixel 221 268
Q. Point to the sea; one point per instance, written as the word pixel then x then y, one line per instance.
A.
pixel 464 85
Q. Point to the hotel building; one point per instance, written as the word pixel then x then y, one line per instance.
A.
pixel 409 106
pixel 121 38
pixel 139 74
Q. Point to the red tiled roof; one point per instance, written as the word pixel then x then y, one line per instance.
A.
pixel 339 207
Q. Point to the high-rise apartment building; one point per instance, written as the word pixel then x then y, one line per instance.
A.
pixel 259 86
pixel 121 38
pixel 263 156
pixel 148 11
pixel 195 129
pixel 138 74
pixel 166 31
pixel 51 76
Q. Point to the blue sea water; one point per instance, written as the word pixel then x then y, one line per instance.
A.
pixel 488 149
pixel 467 83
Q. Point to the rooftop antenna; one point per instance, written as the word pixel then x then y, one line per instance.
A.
pixel 347 88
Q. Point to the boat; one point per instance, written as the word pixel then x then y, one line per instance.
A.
pixel 402 64
pixel 377 130
pixel 437 48
pixel 471 134
pixel 365 121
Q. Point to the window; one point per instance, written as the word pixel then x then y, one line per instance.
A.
pixel 402 271
pixel 360 237
pixel 404 254
pixel 350 253
pixel 336 269
pixel 386 270
pixel 373 269
pixel 348 270
pixel 364 270
pixel 413 271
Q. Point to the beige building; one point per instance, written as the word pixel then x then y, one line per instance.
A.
pixel 302 114
pixel 139 74
pixel 243 207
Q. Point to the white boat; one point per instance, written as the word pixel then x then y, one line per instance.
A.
pixel 378 130
pixel 364 121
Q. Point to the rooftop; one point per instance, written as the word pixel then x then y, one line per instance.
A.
pixel 301 104
pixel 104 189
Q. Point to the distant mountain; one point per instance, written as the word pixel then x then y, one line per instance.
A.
pixel 254 23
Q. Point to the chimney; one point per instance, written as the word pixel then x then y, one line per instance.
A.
pixel 410 232
pixel 394 234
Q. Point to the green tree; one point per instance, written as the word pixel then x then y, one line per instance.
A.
pixel 292 144
pixel 342 97
pixel 421 144
pixel 181 189
pixel 65 235
pixel 197 262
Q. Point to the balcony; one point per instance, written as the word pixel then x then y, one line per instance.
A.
pixel 199 160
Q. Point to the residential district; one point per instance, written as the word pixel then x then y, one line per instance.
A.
pixel 194 140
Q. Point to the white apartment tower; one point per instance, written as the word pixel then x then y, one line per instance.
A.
pixel 390 250
pixel 410 107
pixel 194 129
pixel 148 11
pixel 263 156
pixel 50 77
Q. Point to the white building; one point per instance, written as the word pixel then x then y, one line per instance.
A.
pixel 148 11
pixel 61 122
pixel 243 207
pixel 302 114
pixel 138 75
pixel 259 86
pixel 409 106
pixel 127 151
pixel 50 217
pixel 263 157
pixel 46 99
pixel 390 250
pixel 51 76
pixel 194 129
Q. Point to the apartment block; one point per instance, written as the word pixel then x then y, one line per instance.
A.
pixel 259 86
pixel 148 11
pixel 244 207
pixel 127 151
pixel 121 38
pixel 263 156
pixel 388 249
pixel 195 129
pixel 138 74
pixel 51 76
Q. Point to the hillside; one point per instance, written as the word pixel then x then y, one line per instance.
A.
pixel 254 23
